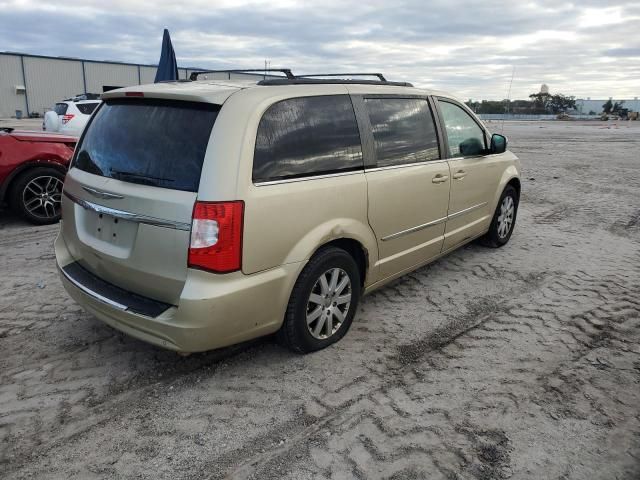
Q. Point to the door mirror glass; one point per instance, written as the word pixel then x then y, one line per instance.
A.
pixel 498 143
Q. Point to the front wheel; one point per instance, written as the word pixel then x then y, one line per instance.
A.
pixel 37 195
pixel 504 219
pixel 323 302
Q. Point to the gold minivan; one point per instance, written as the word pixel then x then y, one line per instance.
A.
pixel 199 214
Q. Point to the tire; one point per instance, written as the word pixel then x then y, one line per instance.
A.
pixel 37 195
pixel 499 233
pixel 312 299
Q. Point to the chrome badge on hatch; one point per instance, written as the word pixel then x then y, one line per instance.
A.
pixel 101 193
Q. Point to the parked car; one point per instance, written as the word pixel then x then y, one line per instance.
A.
pixel 70 116
pixel 202 214
pixel 32 170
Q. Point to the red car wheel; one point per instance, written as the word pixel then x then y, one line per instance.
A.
pixel 37 195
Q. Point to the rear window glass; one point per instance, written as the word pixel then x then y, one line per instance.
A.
pixel 87 108
pixel 403 131
pixel 60 108
pixel 150 142
pixel 307 136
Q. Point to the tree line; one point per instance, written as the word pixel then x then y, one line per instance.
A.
pixel 615 108
pixel 539 103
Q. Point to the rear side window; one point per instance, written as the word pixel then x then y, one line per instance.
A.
pixel 403 131
pixel 60 108
pixel 150 142
pixel 87 108
pixel 307 136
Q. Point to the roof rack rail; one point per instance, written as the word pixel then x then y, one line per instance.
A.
pixel 320 81
pixel 290 79
pixel 379 75
pixel 286 71
pixel 83 96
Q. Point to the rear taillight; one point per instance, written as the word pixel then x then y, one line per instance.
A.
pixel 216 236
pixel 66 118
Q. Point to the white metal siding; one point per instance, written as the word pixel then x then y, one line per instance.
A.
pixel 147 75
pixel 109 74
pixel 10 76
pixel 50 80
pixel 586 106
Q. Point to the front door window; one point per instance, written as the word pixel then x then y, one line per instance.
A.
pixel 466 138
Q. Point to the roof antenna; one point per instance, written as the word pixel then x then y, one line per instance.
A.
pixel 506 107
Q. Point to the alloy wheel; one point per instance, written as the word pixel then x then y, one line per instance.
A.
pixel 42 197
pixel 328 304
pixel 505 220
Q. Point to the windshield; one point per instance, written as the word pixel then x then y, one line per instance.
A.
pixel 161 143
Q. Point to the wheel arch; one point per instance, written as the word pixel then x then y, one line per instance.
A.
pixel 510 176
pixel 354 248
pixel 515 183
pixel 351 234
pixel 6 187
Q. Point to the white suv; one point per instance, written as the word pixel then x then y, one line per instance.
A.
pixel 70 116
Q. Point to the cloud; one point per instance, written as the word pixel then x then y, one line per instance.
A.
pixel 623 52
pixel 469 48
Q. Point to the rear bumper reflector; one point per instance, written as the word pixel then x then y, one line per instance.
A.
pixel 111 295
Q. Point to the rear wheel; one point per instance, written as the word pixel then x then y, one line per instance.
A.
pixel 504 219
pixel 37 195
pixel 323 302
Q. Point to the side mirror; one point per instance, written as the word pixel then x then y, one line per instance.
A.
pixel 498 143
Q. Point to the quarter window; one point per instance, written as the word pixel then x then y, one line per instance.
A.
pixel 465 136
pixel 307 136
pixel 60 108
pixel 403 131
pixel 87 108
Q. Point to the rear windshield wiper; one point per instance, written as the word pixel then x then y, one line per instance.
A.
pixel 149 179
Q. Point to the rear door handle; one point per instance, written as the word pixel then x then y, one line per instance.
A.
pixel 459 174
pixel 439 178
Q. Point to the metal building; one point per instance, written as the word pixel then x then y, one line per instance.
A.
pixel 34 83
pixel 584 106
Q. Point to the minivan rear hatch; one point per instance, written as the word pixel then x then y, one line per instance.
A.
pixel 129 195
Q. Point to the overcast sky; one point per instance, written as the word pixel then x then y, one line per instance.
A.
pixel 587 48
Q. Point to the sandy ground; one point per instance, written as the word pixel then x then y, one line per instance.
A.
pixel 521 362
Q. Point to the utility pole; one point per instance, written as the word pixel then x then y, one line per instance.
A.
pixel 506 107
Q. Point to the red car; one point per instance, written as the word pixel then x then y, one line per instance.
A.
pixel 32 170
